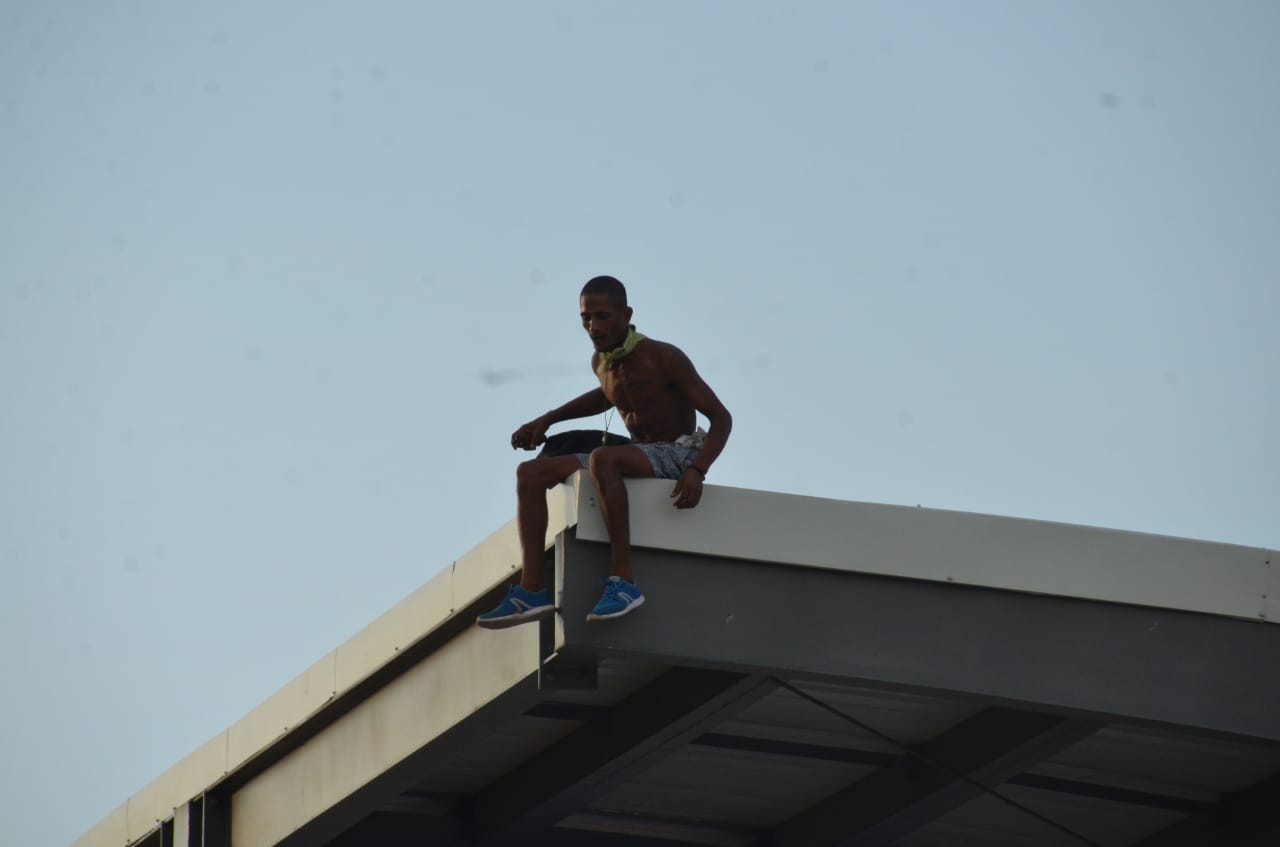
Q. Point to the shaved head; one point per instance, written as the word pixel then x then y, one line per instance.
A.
pixel 608 286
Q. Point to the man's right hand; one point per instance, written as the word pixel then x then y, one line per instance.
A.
pixel 530 435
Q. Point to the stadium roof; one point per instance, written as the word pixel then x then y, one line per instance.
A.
pixel 805 672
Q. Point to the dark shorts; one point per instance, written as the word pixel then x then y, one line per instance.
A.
pixel 668 460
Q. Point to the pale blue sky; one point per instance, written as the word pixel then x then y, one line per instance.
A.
pixel 277 281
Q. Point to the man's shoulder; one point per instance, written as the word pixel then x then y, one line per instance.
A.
pixel 660 348
pixel 664 352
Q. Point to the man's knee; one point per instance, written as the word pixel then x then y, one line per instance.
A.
pixel 531 474
pixel 609 462
pixel 600 464
pixel 541 474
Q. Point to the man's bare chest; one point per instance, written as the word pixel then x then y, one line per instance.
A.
pixel 635 386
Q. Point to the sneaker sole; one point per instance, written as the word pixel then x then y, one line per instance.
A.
pixel 631 607
pixel 516 619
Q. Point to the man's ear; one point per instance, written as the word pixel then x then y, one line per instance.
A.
pixel 628 314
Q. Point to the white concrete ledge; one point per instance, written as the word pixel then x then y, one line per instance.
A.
pixel 956 547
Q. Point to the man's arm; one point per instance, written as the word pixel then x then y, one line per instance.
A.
pixel 685 379
pixel 533 433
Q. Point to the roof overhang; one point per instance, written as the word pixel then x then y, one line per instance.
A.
pixel 1006 647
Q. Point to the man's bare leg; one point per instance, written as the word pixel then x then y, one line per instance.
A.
pixel 609 466
pixel 533 479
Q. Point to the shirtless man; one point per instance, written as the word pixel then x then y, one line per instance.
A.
pixel 655 388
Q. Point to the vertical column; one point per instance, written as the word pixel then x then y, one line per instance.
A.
pixel 204 822
pixel 182 823
pixel 216 831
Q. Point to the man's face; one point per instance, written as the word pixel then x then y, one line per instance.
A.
pixel 605 322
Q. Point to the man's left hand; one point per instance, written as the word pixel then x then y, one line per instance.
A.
pixel 688 490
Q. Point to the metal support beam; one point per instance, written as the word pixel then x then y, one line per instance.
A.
pixel 875 758
pixel 1109 661
pixel 1114 794
pixel 1247 819
pixel 669 712
pixel 987 749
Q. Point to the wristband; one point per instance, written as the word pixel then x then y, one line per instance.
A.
pixel 700 471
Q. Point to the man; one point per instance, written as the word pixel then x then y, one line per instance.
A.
pixel 656 390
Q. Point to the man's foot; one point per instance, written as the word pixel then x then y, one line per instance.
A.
pixel 619 598
pixel 519 606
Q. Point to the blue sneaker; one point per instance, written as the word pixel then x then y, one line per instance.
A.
pixel 519 606
pixel 619 598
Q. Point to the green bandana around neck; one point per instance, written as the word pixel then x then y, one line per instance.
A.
pixel 608 358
